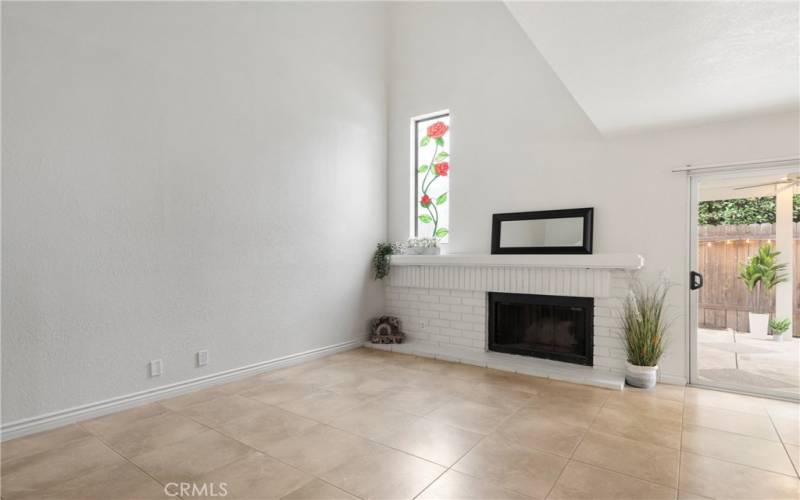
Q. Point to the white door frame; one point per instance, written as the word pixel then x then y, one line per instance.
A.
pixel 694 179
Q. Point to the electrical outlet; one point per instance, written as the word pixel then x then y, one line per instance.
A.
pixel 156 368
pixel 202 358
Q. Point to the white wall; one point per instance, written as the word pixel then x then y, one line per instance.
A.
pixel 184 176
pixel 520 142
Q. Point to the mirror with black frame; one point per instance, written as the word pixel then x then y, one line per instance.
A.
pixel 543 232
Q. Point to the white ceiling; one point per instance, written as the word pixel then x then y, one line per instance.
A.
pixel 642 65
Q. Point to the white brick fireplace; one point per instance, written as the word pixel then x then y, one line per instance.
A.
pixel 442 304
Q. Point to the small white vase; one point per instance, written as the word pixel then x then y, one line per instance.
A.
pixel 759 324
pixel 641 376
pixel 777 337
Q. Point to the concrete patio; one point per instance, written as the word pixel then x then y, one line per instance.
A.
pixel 731 357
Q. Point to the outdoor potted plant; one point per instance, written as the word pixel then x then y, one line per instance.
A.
pixel 761 273
pixel 778 327
pixel 644 328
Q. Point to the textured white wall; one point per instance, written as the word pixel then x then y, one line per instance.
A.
pixel 520 142
pixel 184 176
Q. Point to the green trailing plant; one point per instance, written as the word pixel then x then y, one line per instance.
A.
pixel 381 261
pixel 761 273
pixel 778 326
pixel 644 324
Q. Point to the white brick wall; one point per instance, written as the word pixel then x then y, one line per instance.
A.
pixel 459 317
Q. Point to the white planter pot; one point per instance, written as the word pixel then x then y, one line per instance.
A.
pixel 641 376
pixel 759 324
pixel 423 251
pixel 777 337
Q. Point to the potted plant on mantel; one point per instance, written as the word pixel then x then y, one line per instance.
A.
pixel 644 327
pixel 761 273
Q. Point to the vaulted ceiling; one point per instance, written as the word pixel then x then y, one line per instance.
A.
pixel 643 65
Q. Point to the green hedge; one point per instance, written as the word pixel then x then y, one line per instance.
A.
pixel 742 211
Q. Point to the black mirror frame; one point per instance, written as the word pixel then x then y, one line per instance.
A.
pixel 586 213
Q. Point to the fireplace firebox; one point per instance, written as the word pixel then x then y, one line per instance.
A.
pixel 543 326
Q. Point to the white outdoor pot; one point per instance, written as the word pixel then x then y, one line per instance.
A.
pixel 759 324
pixel 641 376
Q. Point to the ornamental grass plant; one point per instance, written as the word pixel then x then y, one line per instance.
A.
pixel 644 324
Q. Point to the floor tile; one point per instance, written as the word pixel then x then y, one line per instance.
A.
pixel 581 481
pixel 191 457
pixel 494 395
pixel 527 429
pixel 281 391
pixel 256 476
pixel 431 440
pixel 320 449
pixel 415 400
pixel 256 381
pixel 656 464
pixel 685 495
pixel 44 470
pixel 217 411
pixel 578 393
pixel 114 421
pixel 371 386
pixel 759 426
pixel 325 405
pixel 261 428
pixel 637 403
pixel 184 400
pixel 794 456
pixel 454 485
pixel 470 416
pixel 511 466
pixel 372 420
pixel 788 429
pixel 745 450
pixel 661 391
pixel 148 434
pixel 123 481
pixel 726 400
pixel 318 489
pixel 718 479
pixel 39 442
pixel 568 411
pixel 384 473
pixel 782 409
pixel 619 422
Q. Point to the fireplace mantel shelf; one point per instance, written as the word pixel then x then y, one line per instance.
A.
pixel 627 261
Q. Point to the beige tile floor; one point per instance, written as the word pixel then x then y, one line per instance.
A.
pixel 371 424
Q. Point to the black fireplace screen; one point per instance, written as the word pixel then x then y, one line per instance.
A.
pixel 544 326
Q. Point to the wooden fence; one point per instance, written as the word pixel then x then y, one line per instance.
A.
pixel 724 300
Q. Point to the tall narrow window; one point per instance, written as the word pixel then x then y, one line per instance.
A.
pixel 431 174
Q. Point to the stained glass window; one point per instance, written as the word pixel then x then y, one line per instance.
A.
pixel 432 177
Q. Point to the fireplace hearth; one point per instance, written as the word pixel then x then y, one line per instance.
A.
pixel 542 326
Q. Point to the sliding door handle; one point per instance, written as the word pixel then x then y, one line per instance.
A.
pixel 695 280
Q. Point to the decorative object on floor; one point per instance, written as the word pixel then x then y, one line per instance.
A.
pixel 761 273
pixel 644 327
pixel 386 330
pixel 423 246
pixel 778 326
pixel 543 232
pixel 381 261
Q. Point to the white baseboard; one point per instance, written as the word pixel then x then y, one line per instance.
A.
pixel 59 418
